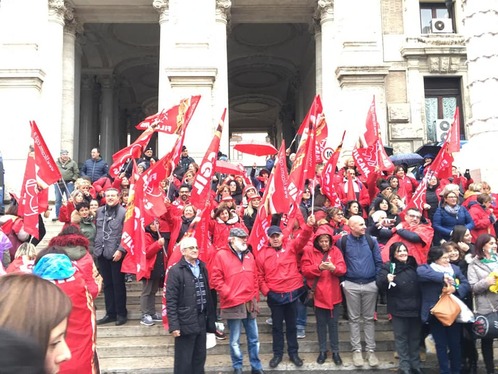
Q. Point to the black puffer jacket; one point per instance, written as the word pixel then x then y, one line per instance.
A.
pixel 181 300
pixel 404 299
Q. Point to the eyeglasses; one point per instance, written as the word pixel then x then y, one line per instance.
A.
pixel 451 197
pixel 414 216
pixel 444 258
pixel 339 214
pixel 192 248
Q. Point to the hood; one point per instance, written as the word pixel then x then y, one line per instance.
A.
pixel 54 266
pixel 323 230
pixel 75 245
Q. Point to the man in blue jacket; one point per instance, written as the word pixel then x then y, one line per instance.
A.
pixel 95 167
pixel 363 262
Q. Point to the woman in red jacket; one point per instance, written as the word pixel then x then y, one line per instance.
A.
pixel 219 228
pixel 323 261
pixel 481 213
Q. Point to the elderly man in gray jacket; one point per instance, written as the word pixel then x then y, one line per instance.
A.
pixel 110 254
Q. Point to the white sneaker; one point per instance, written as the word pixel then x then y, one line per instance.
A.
pixel 358 359
pixel 147 320
pixel 269 321
pixel 372 359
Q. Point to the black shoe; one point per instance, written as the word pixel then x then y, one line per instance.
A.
pixel 296 360
pixel 237 371
pixel 121 321
pixel 106 319
pixel 275 361
pixel 337 358
pixel 321 358
pixel 256 371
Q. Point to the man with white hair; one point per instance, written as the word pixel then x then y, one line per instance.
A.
pixel 190 309
pixel 235 277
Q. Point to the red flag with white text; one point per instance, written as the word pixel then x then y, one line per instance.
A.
pixel 278 186
pixel 28 200
pixel 328 173
pixel 173 120
pixel 47 172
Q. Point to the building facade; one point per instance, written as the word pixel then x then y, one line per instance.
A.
pixel 89 70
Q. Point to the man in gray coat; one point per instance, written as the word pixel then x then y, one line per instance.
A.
pixel 110 254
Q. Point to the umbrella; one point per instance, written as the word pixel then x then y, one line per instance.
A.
pixel 389 150
pixel 432 149
pixel 256 148
pixel 226 167
pixel 411 159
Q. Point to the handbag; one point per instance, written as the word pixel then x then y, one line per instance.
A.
pixel 446 309
pixel 308 298
pixel 486 325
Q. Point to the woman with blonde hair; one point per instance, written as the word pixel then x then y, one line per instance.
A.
pixel 23 294
pixel 24 259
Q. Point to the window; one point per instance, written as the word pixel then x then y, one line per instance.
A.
pixel 442 96
pixel 430 11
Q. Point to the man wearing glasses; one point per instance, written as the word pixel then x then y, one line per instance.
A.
pixel 190 309
pixel 415 233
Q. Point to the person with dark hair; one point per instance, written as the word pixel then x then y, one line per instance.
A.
pixel 398 277
pixel 83 218
pixel 95 167
pixel 433 276
pixel 147 158
pixel 19 354
pixel 431 197
pixel 338 223
pixel 462 237
pixel 322 264
pixel 407 184
pixel 481 273
pixel 20 295
pixel 224 219
pixel 352 208
pixel 482 215
pixel 110 253
pixel 185 161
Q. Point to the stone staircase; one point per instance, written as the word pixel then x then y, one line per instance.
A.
pixel 134 348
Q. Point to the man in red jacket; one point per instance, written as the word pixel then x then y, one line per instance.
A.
pixel 235 277
pixel 282 283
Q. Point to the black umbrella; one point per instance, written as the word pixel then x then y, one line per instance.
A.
pixel 431 149
pixel 389 150
pixel 410 159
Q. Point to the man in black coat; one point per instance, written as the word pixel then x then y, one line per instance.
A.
pixel 190 309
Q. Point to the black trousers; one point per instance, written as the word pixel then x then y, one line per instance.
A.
pixel 279 313
pixel 487 354
pixel 190 351
pixel 114 287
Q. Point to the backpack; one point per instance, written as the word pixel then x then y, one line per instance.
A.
pixel 341 243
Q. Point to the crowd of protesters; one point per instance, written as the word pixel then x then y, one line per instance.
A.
pixel 372 247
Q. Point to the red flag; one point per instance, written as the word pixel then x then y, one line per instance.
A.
pixel 258 238
pixel 47 172
pixel 454 133
pixel 28 202
pixel 315 116
pixel 372 126
pixel 132 151
pixel 133 238
pixel 172 121
pixel 418 196
pixel 328 172
pixel 278 186
pixel 351 195
pixel 201 187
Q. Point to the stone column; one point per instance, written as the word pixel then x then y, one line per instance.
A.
pixel 68 82
pixel 51 123
pixel 162 7
pixel 106 116
pixel 88 129
pixel 221 61
pixel 481 32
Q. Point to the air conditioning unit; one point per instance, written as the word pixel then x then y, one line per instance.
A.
pixel 441 25
pixel 442 128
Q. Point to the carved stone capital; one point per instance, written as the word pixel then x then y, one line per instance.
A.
pixel 325 10
pixel 162 7
pixel 223 9
pixel 444 64
pixel 57 10
pixel 72 25
pixel 106 81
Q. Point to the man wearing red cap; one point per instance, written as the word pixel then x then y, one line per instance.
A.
pixel 282 284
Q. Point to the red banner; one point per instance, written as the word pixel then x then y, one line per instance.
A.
pixel 47 172
pixel 173 120
pixel 278 194
pixel 28 201
pixel 454 133
pixel 130 152
pixel 328 174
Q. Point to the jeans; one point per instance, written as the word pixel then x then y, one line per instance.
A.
pixel 327 319
pixel 407 341
pixel 59 191
pixel 447 338
pixel 361 299
pixel 251 328
pixel 302 315
pixel 279 312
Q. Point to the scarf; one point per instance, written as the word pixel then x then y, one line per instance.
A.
pixel 443 269
pixel 452 210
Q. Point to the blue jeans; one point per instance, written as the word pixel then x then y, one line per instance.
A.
pixel 251 327
pixel 58 195
pixel 302 315
pixel 447 338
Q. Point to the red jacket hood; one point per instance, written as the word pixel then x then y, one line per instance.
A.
pixel 71 240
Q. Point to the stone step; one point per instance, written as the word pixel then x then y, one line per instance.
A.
pixel 146 346
pixel 220 364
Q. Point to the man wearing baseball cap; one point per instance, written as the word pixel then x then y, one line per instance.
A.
pixel 282 284
pixel 235 278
